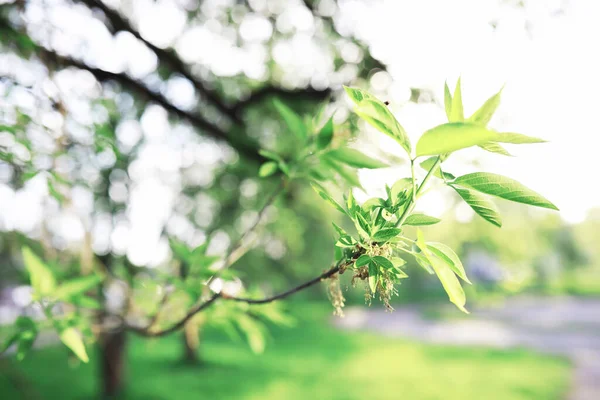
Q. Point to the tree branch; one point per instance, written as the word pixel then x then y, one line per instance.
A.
pixel 236 250
pixel 166 56
pixel 267 91
pixel 289 292
pixel 202 306
pixel 245 147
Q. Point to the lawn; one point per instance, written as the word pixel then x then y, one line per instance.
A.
pixel 310 361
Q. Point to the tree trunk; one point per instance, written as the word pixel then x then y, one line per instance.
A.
pixel 113 358
pixel 191 342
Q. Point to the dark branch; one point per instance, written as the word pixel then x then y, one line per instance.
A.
pixel 175 327
pixel 166 56
pixel 242 145
pixel 200 307
pixel 287 293
pixel 268 91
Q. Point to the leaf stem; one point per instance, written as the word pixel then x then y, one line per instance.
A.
pixel 411 204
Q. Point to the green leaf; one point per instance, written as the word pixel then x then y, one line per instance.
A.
pixel 291 119
pixel 484 114
pixel 386 234
pixel 453 136
pixel 87 302
pixel 447 255
pixel 254 332
pixel 445 274
pixel 180 250
pixel 325 196
pixel 517 138
pixel 376 113
pixel 363 224
pixel 267 169
pixel 355 158
pixel 383 262
pixel 397 261
pixel 349 175
pixel 270 155
pixel 41 277
pixel 373 203
pixel 325 134
pixel 400 186
pixel 421 219
pixel 72 339
pixel 493 147
pixel 373 276
pixel 429 163
pixel 481 205
pixel 362 260
pixel 447 101
pixel 357 95
pixel 506 188
pixel 12 339
pixel 351 203
pixel 76 287
pixel 457 113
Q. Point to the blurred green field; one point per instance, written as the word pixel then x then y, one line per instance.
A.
pixel 312 360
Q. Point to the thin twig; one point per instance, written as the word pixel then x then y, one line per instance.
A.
pixel 202 306
pixel 232 254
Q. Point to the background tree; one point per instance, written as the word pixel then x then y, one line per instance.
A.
pixel 97 167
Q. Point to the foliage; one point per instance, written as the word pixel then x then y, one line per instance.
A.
pixel 375 252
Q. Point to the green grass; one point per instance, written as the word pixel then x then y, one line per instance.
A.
pixel 310 361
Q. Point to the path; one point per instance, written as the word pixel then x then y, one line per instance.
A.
pixel 564 325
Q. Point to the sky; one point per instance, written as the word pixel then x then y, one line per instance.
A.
pixel 543 53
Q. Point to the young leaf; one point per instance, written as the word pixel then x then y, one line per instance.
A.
pixel 373 203
pixel 428 164
pixel 493 147
pixel 363 224
pixel 447 255
pixel 71 338
pixel 327 197
pixel 484 114
pixel 291 119
pixel 506 188
pixel 339 230
pixel 397 261
pixel 423 262
pixel 447 101
pixel 386 234
pixel 355 158
pixel 325 134
pixel 351 203
pixel 76 287
pixel 373 276
pixel 398 187
pixel 357 95
pixel 362 260
pixel 383 262
pixel 517 138
pixel 480 204
pixel 267 169
pixel 349 175
pixel 42 280
pixel 254 332
pixel 270 155
pixel 453 136
pixel 445 274
pixel 421 219
pixel 378 115
pixel 457 113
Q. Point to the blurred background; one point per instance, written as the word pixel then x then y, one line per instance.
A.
pixel 130 132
